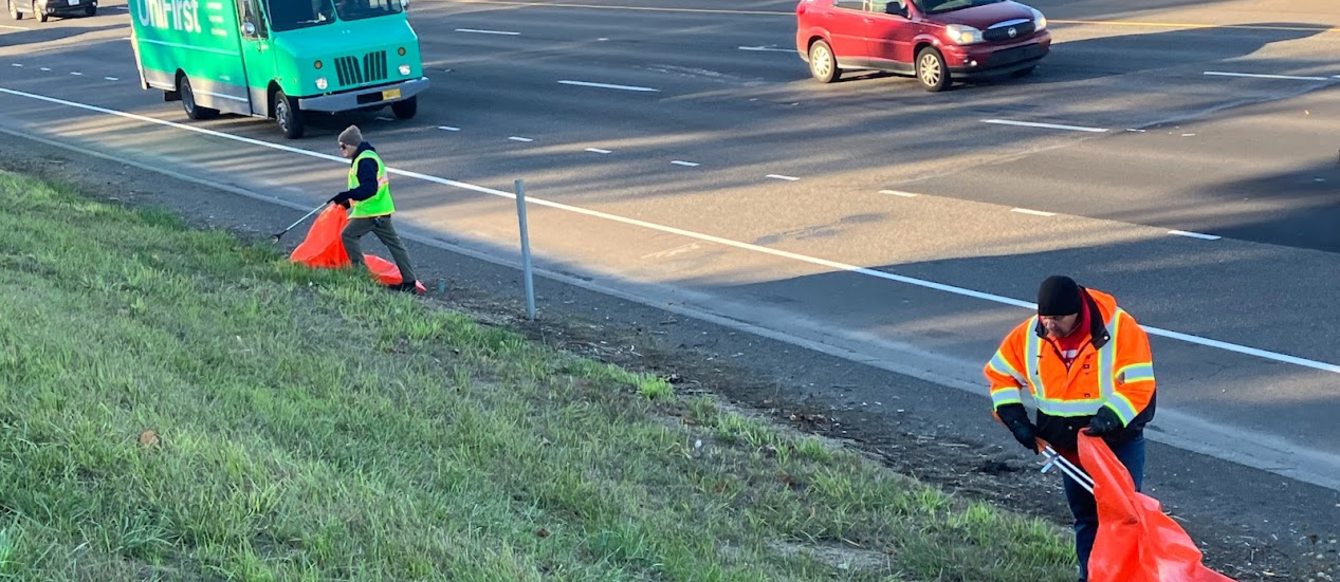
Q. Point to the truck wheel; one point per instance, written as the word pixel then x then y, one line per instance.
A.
pixel 288 116
pixel 406 109
pixel 14 11
pixel 193 109
pixel 91 10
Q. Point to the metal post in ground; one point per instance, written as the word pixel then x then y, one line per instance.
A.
pixel 525 247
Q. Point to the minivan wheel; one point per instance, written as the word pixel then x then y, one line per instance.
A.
pixel 823 65
pixel 931 70
pixel 288 116
pixel 193 109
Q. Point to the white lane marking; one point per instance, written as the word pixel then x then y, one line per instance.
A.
pixel 482 31
pixel 448 128
pixel 19 65
pixel 781 177
pixel 866 271
pixel 685 164
pixel 1136 130
pixel 110 79
pixel 76 73
pixel 385 118
pixel 598 151
pixel 899 193
pixel 1045 125
pixel 1032 212
pixel 1255 76
pixel 44 68
pixel 610 86
pixel 767 49
pixel 1195 235
pixel 14 27
pixel 521 139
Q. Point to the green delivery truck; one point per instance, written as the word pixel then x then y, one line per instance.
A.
pixel 277 59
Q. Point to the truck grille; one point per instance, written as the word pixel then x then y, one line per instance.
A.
pixel 999 33
pixel 371 70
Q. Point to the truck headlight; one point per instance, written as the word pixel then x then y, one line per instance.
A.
pixel 1039 21
pixel 404 70
pixel 963 34
pixel 321 83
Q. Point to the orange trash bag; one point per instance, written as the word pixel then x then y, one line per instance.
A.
pixel 324 249
pixel 1136 541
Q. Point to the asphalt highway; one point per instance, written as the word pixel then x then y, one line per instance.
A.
pixel 1181 155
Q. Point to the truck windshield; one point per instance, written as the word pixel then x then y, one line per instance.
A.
pixel 360 9
pixel 291 14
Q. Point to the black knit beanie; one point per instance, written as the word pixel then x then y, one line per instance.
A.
pixel 1058 295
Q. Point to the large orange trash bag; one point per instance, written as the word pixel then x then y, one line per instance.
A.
pixel 1136 541
pixel 324 249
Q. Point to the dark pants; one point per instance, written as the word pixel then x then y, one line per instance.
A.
pixel 1132 455
pixel 385 231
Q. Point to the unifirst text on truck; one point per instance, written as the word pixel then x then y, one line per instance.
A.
pixel 278 58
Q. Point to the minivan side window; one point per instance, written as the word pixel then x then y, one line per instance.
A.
pixel 249 12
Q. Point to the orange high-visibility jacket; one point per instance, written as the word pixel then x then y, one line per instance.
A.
pixel 1113 369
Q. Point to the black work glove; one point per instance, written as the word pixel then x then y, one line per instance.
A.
pixel 1015 418
pixel 1105 422
pixel 339 199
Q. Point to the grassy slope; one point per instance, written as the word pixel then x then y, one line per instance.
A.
pixel 314 426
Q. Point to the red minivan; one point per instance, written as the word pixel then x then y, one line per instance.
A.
pixel 936 41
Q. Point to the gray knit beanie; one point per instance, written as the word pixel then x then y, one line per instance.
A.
pixel 351 136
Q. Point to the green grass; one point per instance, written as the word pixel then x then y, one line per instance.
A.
pixel 316 427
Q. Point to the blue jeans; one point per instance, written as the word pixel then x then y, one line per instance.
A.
pixel 1085 509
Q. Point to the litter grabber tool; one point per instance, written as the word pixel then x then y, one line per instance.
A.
pixel 281 233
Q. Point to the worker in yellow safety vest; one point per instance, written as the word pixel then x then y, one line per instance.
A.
pixel 369 197
pixel 1087 365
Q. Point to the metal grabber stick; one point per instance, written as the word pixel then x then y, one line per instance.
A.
pixel 297 222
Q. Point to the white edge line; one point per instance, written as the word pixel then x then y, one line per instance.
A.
pixel 14 27
pixel 610 86
pixel 885 275
pixel 448 128
pixel 781 177
pixel 767 49
pixel 520 139
pixel 482 31
pixel 1032 212
pixel 1195 235
pixel 1257 76
pixel 899 193
pixel 685 164
pixel 1046 125
pixel 598 151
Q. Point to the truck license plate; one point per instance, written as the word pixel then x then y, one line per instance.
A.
pixel 391 94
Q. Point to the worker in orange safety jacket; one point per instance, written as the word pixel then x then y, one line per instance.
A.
pixel 1087 365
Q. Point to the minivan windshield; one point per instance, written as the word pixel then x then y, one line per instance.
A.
pixel 291 14
pixel 939 6
pixel 360 9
